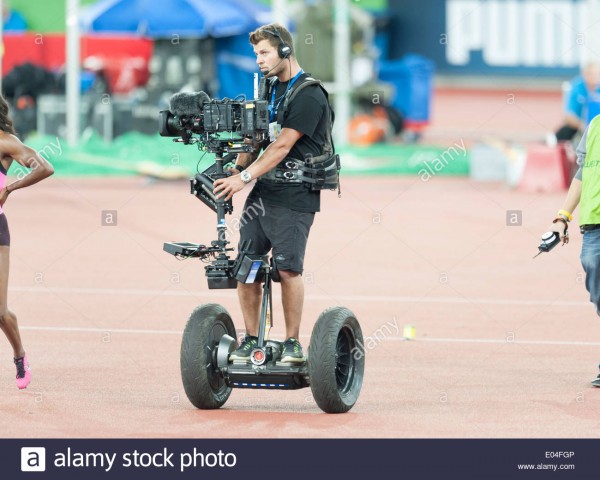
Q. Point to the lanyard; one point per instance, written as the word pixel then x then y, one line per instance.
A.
pixel 272 107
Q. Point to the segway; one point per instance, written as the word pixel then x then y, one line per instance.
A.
pixel 335 360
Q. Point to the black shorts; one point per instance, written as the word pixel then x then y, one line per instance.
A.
pixel 4 233
pixel 278 228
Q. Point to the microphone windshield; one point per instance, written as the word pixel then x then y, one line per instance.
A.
pixel 183 103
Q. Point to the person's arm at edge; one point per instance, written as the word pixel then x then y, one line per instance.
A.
pixel 12 147
pixel 574 194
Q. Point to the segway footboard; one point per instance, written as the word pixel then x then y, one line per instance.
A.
pixel 267 377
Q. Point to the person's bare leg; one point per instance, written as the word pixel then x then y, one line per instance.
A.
pixel 292 298
pixel 250 299
pixel 10 327
pixel 8 320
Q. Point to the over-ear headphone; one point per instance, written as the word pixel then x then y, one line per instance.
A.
pixel 284 50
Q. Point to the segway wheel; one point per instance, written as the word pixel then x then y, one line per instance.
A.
pixel 203 384
pixel 336 362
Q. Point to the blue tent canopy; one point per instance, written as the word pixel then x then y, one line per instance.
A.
pixel 165 18
pixel 229 21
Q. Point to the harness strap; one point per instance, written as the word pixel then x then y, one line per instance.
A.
pixel 317 173
pixel 320 171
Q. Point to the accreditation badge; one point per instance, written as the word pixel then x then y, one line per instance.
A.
pixel 274 131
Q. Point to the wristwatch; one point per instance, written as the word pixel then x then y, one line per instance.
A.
pixel 246 176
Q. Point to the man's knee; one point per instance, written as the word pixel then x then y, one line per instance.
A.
pixel 288 275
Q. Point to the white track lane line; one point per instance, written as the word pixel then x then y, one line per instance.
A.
pixel 353 298
pixel 101 330
pixel 498 341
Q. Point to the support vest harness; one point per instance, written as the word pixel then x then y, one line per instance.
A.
pixel 316 173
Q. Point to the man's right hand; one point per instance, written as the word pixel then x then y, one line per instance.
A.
pixel 3 196
pixel 560 228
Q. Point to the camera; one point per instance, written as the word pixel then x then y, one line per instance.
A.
pixel 196 113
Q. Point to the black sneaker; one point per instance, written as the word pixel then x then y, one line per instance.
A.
pixel 243 352
pixel 292 351
pixel 596 382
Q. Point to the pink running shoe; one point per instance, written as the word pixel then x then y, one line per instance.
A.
pixel 23 372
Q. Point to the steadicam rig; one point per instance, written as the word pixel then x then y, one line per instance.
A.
pixel 221 271
pixel 220 127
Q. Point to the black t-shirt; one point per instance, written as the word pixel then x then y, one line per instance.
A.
pixel 306 114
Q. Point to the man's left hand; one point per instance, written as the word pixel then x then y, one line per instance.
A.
pixel 228 186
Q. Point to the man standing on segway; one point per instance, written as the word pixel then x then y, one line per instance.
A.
pixel 300 134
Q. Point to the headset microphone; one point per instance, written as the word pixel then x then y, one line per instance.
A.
pixel 271 69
